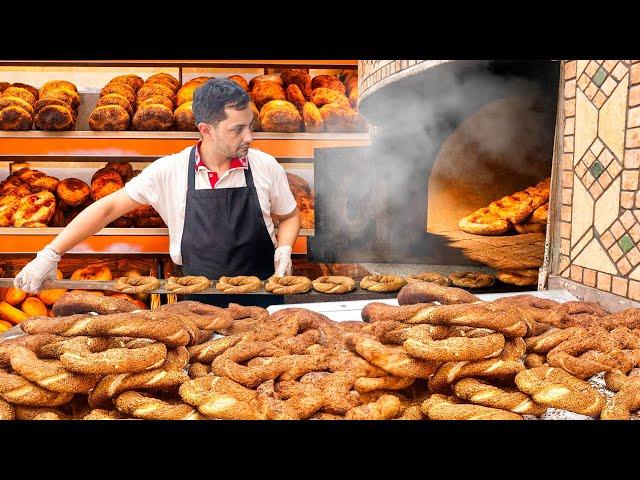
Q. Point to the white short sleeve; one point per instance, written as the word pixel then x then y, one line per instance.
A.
pixel 147 186
pixel 282 200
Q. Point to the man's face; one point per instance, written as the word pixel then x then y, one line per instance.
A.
pixel 232 136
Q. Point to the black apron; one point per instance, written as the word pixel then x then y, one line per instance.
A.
pixel 225 234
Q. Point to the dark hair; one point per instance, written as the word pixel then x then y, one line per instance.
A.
pixel 211 98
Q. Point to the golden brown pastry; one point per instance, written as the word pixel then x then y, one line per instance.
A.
pixel 56 118
pixel 70 97
pixel 295 96
pixel 304 198
pixel 141 211
pixel 134 81
pixel 328 81
pixel 124 169
pixel 35 210
pixel 156 99
pixel 280 116
pixel 340 118
pixel 93 272
pixel 115 99
pixel 4 86
pixel 255 125
pixel 73 192
pixel 43 102
pixel 17 102
pixel 299 77
pixel 22 93
pixel 56 84
pixel 264 78
pixel 8 205
pixel 153 117
pixel 185 94
pixel 44 182
pixel 165 77
pixel 313 121
pixel 266 91
pixel 322 96
pixel 240 80
pixel 15 118
pixel 105 182
pixel 196 81
pixel 120 88
pixel 151 89
pixel 183 118
pixel 109 118
pixel 31 89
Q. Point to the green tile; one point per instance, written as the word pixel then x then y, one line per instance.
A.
pixel 596 169
pixel 600 76
pixel 625 243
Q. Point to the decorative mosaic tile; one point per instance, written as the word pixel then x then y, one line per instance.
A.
pixel 582 243
pixel 607 207
pixel 608 86
pixel 620 71
pixel 612 120
pixel 580 169
pixel 596 147
pixel 594 257
pixel 596 190
pixel 582 214
pixel 599 99
pixel 596 169
pixel 586 125
pixel 591 69
pixel 604 181
pixel 615 252
pixel 604 282
pixel 605 157
pixel 627 219
pixel 580 66
pixel 630 180
pixel 624 266
pixel 619 286
pixel 607 239
pixel 609 65
pixel 625 243
pixel 633 256
pixel 599 77
pixel 627 199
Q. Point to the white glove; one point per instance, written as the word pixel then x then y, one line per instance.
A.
pixel 34 273
pixel 282 261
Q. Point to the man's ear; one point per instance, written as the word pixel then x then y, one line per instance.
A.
pixel 205 129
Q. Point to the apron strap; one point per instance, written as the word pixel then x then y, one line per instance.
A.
pixel 248 176
pixel 191 178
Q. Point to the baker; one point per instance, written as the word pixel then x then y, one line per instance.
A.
pixel 217 199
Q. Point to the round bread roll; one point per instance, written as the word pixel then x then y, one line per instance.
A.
pixel 120 88
pixel 54 85
pixel 183 118
pixel 92 272
pixel 299 77
pixel 70 97
pixel 109 118
pixel 295 96
pixel 115 99
pixel 22 93
pixel 149 90
pixel 196 81
pixel 280 116
pixel 266 91
pixel 240 80
pixel 134 81
pixel 340 118
pixel 124 169
pixel 4 86
pixel 322 96
pixel 55 118
pixel 32 90
pixel 165 77
pixel 44 182
pixel 255 125
pixel 73 192
pixel 156 99
pixel 312 118
pixel 105 182
pixel 15 118
pixel 153 117
pixel 162 82
pixel 264 78
pixel 185 94
pixel 328 81
pixel 17 102
pixel 43 102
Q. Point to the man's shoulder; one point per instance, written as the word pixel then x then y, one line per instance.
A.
pixel 170 162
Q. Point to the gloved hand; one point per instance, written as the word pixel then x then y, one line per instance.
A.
pixel 41 268
pixel 282 261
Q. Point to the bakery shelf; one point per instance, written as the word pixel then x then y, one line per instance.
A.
pixel 108 240
pixel 156 144
pixel 184 63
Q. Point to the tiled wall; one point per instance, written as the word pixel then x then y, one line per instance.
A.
pixel 600 211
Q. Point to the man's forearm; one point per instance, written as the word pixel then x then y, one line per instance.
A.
pixel 288 230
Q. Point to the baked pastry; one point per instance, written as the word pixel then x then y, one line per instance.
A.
pixel 115 99
pixel 124 169
pixel 55 85
pixel 4 86
pixel 33 90
pixel 240 80
pixel 43 102
pixel 328 81
pixel 153 117
pixel 156 99
pixel 280 116
pixel 322 96
pixel 295 96
pixel 17 102
pixel 8 205
pixel 165 78
pixel 339 118
pixel 141 211
pixel 22 93
pixel 304 198
pixel 151 89
pixel 73 192
pixel 185 94
pixel 35 210
pixel 120 88
pixel 312 118
pixel 44 182
pixel 266 91
pixel 134 81
pixel 299 77
pixel 255 125
pixel 15 118
pixel 55 118
pixel 109 118
pixel 264 78
pixel 92 272
pixel 183 118
pixel 104 182
pixel 483 222
pixel 70 97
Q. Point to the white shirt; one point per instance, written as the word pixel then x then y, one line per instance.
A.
pixel 163 185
